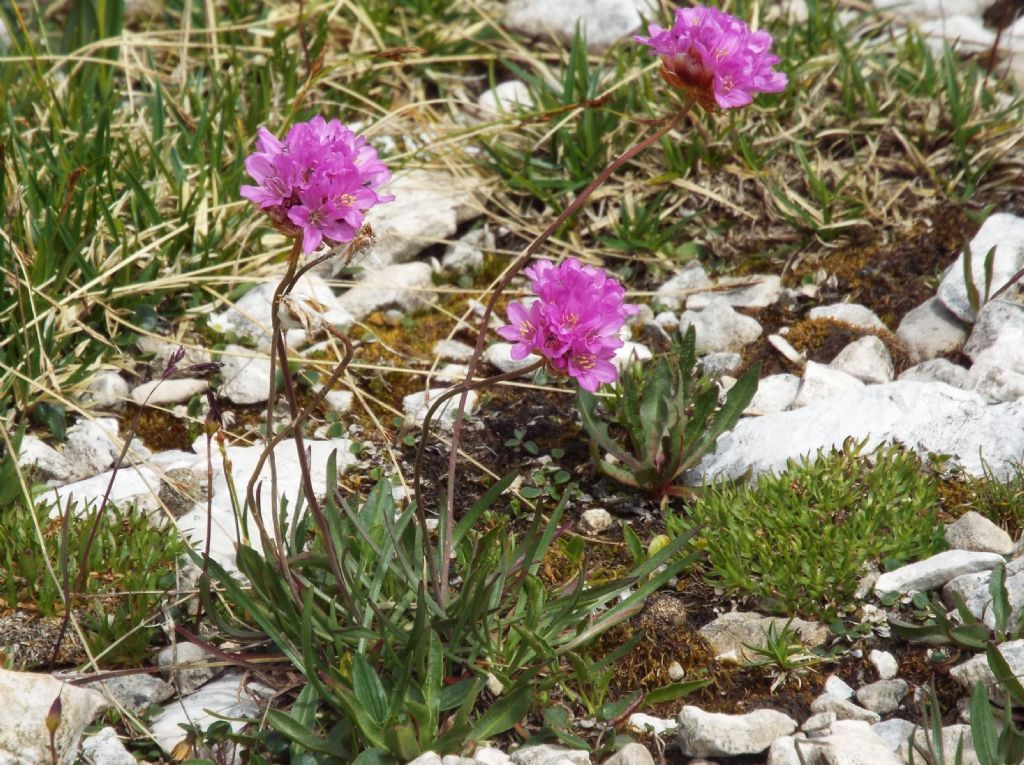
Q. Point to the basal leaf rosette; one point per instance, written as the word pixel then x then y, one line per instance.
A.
pixel 317 183
pixel 573 323
pixel 715 58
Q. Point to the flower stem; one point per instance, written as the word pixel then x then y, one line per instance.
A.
pixel 668 125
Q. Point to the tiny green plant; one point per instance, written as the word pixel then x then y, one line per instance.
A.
pixel 796 540
pixel 671 417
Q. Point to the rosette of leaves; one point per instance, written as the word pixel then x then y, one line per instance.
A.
pixel 670 415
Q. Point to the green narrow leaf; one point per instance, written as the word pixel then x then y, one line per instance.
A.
pixel 369 690
pixel 1004 675
pixel 674 691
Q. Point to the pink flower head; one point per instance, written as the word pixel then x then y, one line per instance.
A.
pixel 574 323
pixel 715 57
pixel 318 182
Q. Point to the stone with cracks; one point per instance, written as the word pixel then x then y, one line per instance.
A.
pixel 104 747
pixel 674 292
pixel 849 742
pixel 549 754
pixel 1001 231
pixel 820 382
pixel 933 572
pixel 428 208
pixel 854 314
pixel 775 393
pixel 931 330
pixel 28 698
pixel 974 589
pixel 720 328
pixel 404 285
pixel 416 405
pixel 504 99
pixel 844 709
pixel 867 359
pixel 943 371
pixel 882 696
pixel 232 697
pixel 754 291
pixel 631 754
pixel 976 669
pixel 928 417
pixel 709 734
pixel 246 375
pixel 973 531
pixel 165 392
pixel 48 463
pixel 250 315
pixel 602 22
pixel 731 633
pixel 243 461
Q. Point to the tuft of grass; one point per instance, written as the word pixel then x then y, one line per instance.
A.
pixel 131 566
pixel 797 540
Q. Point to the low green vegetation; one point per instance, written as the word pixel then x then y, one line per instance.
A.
pixel 796 541
pixel 130 564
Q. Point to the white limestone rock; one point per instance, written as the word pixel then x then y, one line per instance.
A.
pixel 838 687
pixel 504 99
pixel 928 417
pixel 867 359
pixel 943 371
pixel 244 460
pixel 499 355
pixel 951 739
pixel 931 330
pixel 674 292
pixel 92 446
pixel 854 314
pixel 106 390
pixel 29 697
pixel 246 375
pixel 549 754
pixel 885 664
pixel 405 285
pixel 973 588
pixel 187 665
pixel 973 531
pixel 821 382
pixel 416 405
pixel 467 253
pixel 105 748
pixel 883 696
pixel 1003 231
pixel 231 697
pixel 647 724
pixel 177 390
pixel 629 352
pixel 453 350
pixel 849 742
pixel 997 385
pixel 427 209
pixel 719 327
pixel 250 315
pixel 135 692
pixel 775 393
pixel 596 520
pixel 48 463
pixel 844 708
pixel 976 669
pixel 754 291
pixel 731 634
pixel 602 22
pixel 933 572
pixel 895 732
pixel 631 754
pixel 489 755
pixel 708 734
pixel 965 34
pixel 718 364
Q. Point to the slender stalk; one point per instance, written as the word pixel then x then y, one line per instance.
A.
pixel 440 582
pixel 668 125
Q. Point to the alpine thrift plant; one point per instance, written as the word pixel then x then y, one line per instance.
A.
pixel 317 183
pixel 573 324
pixel 715 58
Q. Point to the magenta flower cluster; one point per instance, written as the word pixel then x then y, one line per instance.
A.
pixel 317 183
pixel 574 323
pixel 715 57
